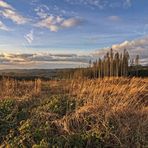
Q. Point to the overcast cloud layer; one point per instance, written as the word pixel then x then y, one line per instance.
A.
pixel 43 60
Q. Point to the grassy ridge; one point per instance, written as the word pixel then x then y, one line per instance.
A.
pixel 52 74
pixel 109 112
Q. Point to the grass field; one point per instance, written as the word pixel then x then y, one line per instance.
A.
pixel 109 112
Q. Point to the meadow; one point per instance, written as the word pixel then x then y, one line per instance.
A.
pixel 74 113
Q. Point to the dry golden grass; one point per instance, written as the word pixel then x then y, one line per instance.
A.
pixel 117 107
pixel 10 88
pixel 109 112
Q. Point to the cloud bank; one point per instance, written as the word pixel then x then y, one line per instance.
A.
pixel 44 59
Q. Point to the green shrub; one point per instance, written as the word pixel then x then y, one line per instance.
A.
pixel 6 107
pixel 58 104
pixel 8 111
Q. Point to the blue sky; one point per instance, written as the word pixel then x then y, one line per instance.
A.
pixel 80 27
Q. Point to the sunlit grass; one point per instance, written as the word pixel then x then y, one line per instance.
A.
pixel 109 112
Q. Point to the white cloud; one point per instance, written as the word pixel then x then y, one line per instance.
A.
pixel 54 23
pixel 94 3
pixel 53 28
pixel 29 37
pixel 3 26
pixel 101 4
pixel 51 22
pixel 138 46
pixel 14 16
pixel 10 13
pixel 42 11
pixel 5 5
pixel 70 22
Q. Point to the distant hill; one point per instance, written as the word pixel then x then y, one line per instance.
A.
pixel 33 73
pixel 47 74
pixel 29 73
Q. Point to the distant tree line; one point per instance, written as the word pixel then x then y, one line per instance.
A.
pixel 111 65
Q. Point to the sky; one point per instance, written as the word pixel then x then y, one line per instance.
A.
pixel 68 33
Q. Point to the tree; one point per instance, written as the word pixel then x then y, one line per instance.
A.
pixel 99 68
pixel 111 65
pixel 108 64
pixel 125 62
pixel 117 62
pixel 137 60
pixel 132 62
pixel 90 63
pixel 111 62
pixel 137 64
